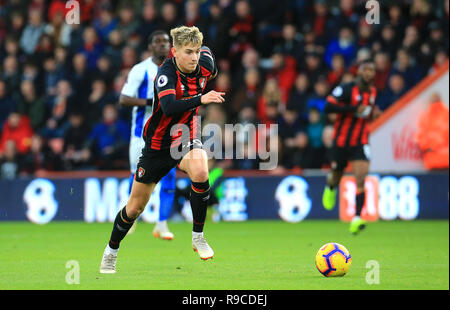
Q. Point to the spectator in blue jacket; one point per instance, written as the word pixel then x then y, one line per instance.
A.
pixel 32 32
pixel 314 130
pixel 106 22
pixel 109 139
pixel 92 47
pixel 395 89
pixel 344 45
pixel 318 98
pixel 406 67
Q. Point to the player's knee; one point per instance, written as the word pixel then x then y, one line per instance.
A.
pixel 133 212
pixel 360 182
pixel 136 206
pixel 199 175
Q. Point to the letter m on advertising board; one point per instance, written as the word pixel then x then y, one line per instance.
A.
pixel 102 204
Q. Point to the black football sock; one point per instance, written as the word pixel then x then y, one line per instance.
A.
pixel 122 225
pixel 199 204
pixel 360 199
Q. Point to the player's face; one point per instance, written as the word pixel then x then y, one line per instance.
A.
pixel 161 45
pixel 368 73
pixel 187 57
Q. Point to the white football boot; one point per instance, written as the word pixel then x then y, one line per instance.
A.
pixel 109 259
pixel 202 247
pixel 161 230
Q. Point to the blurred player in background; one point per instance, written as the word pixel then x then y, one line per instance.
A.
pixel 138 93
pixel 179 87
pixel 354 104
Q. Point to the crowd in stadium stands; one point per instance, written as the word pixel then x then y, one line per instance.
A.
pixel 278 60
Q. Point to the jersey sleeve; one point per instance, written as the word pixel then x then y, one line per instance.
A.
pixel 134 80
pixel 339 100
pixel 165 83
pixel 208 61
pixel 339 94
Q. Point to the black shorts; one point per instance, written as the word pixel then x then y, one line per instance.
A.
pixel 153 165
pixel 340 156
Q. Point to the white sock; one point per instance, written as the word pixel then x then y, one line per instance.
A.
pixel 161 224
pixel 355 218
pixel 197 234
pixel 108 250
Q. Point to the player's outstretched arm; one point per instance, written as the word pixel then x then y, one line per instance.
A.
pixel 337 101
pixel 170 106
pixel 129 94
pixel 333 106
pixel 213 97
pixel 128 101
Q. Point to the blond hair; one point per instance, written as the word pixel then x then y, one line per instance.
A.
pixel 182 36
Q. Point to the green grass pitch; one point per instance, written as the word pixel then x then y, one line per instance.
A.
pixel 254 255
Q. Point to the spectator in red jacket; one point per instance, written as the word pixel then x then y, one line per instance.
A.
pixel 247 94
pixel 284 71
pixel 243 25
pixel 338 70
pixel 383 68
pixel 270 98
pixel 18 129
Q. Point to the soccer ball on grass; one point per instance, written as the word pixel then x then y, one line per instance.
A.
pixel 333 260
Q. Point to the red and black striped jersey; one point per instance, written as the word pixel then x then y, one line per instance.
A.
pixel 176 102
pixel 350 129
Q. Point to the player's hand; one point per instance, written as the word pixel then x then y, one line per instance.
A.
pixel 363 111
pixel 213 97
pixel 376 112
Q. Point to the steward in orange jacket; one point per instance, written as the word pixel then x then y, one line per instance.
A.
pixel 432 135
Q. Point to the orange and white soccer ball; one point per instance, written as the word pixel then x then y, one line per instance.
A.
pixel 333 260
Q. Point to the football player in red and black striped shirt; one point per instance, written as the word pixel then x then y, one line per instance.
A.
pixel 172 138
pixel 354 104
